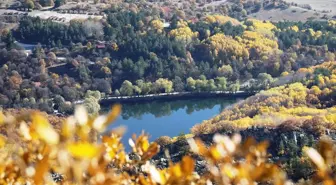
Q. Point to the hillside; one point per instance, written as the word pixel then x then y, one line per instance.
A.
pixel 290 117
pixel 308 103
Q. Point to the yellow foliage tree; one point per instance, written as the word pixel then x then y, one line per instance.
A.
pixel 225 47
pixel 263 27
pixel 261 44
pixel 157 25
pixel 221 19
pixel 184 34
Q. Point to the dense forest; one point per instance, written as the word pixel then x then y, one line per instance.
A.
pixel 136 53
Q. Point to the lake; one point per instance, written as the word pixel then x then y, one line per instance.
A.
pixel 168 118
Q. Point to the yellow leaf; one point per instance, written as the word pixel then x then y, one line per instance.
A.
pixel 83 150
pixel 215 153
pixel 41 169
pixel 115 112
pixel 68 127
pixel 99 123
pixel 145 145
pixel 2 118
pixel 177 171
pixel 2 141
pixel 188 165
pixel 44 130
pixel 81 115
pixel 152 150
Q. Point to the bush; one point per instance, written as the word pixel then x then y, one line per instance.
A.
pixel 164 140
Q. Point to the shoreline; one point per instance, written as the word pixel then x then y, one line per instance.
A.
pixel 171 96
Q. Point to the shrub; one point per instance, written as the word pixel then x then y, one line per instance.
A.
pixel 164 140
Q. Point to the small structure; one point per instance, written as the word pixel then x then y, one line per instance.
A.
pixel 100 44
pixel 165 24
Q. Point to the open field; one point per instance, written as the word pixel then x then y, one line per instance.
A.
pixel 320 5
pixel 65 16
pixel 7 3
pixel 290 14
pixel 52 15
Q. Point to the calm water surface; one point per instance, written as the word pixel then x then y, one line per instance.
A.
pixel 168 118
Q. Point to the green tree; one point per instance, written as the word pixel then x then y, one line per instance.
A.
pixel 38 52
pixel 234 87
pixel 59 43
pixel 145 87
pixel 91 101
pixel 92 105
pixel 137 89
pixel 30 4
pixel 66 107
pixel 69 93
pixel 191 84
pixel 116 92
pixel 211 86
pixel 221 83
pixel 9 40
pixel 201 84
pixel 47 2
pixel 264 80
pixel 95 94
pixel 59 3
pixel 178 84
pixel 126 88
pixel 226 71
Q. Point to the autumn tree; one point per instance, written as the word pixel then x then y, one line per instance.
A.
pixel 226 48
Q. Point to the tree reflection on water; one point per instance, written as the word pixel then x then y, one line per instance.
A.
pixel 166 108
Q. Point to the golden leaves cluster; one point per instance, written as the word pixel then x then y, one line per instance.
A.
pixel 232 161
pixel 157 25
pixel 324 160
pixel 183 33
pixel 227 47
pixel 263 27
pixel 257 41
pixel 221 19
